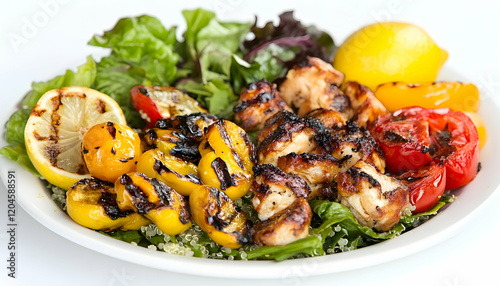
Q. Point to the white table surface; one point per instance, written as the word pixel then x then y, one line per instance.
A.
pixel 468 30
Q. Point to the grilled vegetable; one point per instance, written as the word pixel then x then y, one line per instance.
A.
pixel 92 203
pixel 155 102
pixel 425 185
pixel 110 150
pixel 180 136
pixel 178 174
pixel 155 200
pixel 219 217
pixel 228 156
pixel 455 95
pixel 171 141
pixel 414 136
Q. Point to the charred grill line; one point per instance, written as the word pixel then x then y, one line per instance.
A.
pixel 160 168
pixel 165 194
pixel 222 174
pixel 139 198
pixel 111 129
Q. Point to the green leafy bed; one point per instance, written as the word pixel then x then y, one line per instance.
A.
pixel 212 63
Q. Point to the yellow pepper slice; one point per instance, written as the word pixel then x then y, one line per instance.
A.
pixel 92 203
pixel 219 217
pixel 174 172
pixel 155 200
pixel 455 95
pixel 227 158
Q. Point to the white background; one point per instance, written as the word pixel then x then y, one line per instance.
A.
pixel 52 35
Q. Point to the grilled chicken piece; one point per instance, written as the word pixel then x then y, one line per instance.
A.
pixel 367 107
pixel 273 123
pixel 258 102
pixel 274 190
pixel 376 200
pixel 317 170
pixel 333 120
pixel 286 226
pixel 353 143
pixel 286 133
pixel 315 85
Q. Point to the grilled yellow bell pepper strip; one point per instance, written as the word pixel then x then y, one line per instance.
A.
pixel 219 217
pixel 92 203
pixel 178 174
pixel 161 204
pixel 227 159
pixel 455 95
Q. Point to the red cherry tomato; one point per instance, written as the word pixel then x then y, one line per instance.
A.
pixel 445 136
pixel 426 185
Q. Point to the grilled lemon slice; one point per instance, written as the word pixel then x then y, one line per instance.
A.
pixel 56 126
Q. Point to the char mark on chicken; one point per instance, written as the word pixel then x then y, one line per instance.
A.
pixel 274 190
pixel 376 200
pixel 286 133
pixel 289 225
pixel 365 104
pixel 315 85
pixel 331 119
pixel 258 102
pixel 353 143
pixel 318 170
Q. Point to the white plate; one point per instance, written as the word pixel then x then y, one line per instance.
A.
pixel 35 199
pixel 41 60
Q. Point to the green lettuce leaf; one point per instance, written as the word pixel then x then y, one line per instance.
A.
pixel 216 95
pixel 333 213
pixel 211 44
pixel 309 246
pixel 417 219
pixel 127 236
pixel 143 52
pixel 116 78
pixel 268 63
pixel 142 40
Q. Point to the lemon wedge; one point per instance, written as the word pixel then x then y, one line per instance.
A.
pixel 56 127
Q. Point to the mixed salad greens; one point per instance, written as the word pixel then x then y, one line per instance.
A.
pixel 212 62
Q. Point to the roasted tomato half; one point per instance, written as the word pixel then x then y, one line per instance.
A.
pixel 426 185
pixel 155 102
pixel 412 137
